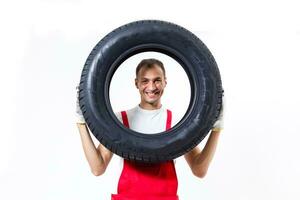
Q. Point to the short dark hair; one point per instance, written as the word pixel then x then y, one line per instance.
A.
pixel 149 63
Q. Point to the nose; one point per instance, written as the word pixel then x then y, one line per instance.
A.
pixel 151 85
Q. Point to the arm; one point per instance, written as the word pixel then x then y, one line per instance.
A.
pixel 98 158
pixel 198 160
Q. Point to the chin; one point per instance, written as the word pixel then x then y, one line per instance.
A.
pixel 153 102
pixel 150 102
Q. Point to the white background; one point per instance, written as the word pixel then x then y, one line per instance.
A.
pixel 43 47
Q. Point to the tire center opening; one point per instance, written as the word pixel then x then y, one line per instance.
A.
pixel 124 95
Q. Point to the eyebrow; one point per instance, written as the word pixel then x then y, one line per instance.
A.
pixel 144 78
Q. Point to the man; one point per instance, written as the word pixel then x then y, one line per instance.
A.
pixel 148 181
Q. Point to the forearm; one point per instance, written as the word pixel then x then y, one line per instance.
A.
pixel 202 159
pixel 92 155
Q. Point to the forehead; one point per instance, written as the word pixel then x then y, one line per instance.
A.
pixel 154 71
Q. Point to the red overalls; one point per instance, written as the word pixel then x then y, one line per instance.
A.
pixel 145 181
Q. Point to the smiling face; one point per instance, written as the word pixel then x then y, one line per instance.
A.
pixel 151 83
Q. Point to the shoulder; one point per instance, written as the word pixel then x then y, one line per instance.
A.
pixel 168 111
pixel 128 112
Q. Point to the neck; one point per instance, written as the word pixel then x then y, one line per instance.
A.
pixel 149 106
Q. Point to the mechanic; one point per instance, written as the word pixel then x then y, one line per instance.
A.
pixel 148 181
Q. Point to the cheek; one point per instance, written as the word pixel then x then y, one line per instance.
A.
pixel 161 86
pixel 142 88
pixel 139 86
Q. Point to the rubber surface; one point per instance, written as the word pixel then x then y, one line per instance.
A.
pixel 185 48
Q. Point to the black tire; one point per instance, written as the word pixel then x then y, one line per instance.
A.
pixel 185 48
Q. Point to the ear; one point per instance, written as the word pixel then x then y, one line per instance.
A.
pixel 165 80
pixel 136 83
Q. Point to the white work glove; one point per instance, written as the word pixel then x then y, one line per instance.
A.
pixel 79 116
pixel 219 124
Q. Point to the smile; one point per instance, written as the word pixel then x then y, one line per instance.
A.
pixel 152 94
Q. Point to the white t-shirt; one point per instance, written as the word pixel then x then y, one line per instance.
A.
pixel 146 121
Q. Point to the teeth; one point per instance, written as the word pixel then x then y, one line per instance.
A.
pixel 151 93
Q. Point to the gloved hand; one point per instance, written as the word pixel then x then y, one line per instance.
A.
pixel 79 116
pixel 219 124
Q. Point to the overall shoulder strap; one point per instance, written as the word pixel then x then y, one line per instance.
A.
pixel 125 119
pixel 169 119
